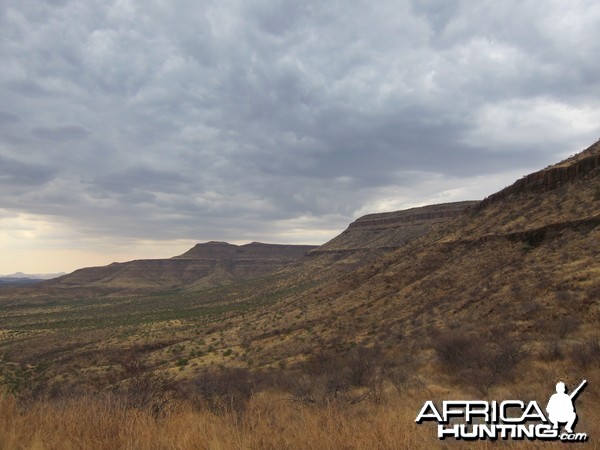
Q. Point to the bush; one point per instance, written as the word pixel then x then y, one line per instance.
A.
pixel 346 378
pixel 587 353
pixel 552 352
pixel 227 391
pixel 139 387
pixel 181 362
pixel 474 362
pixel 565 325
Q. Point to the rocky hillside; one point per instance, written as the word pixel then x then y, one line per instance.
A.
pixel 373 235
pixel 393 229
pixel 552 177
pixel 522 266
pixel 211 263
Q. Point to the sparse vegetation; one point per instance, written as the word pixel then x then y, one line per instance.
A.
pixel 587 353
pixel 478 363
pixel 338 351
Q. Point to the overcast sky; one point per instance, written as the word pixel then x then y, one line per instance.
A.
pixel 134 129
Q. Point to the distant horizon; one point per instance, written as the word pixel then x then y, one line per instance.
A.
pixel 133 257
pixel 234 242
pixel 126 133
pixel 107 259
pixel 32 275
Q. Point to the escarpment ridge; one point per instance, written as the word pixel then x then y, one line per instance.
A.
pixel 384 231
pixel 516 270
pixel 552 177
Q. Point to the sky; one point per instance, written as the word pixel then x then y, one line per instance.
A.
pixel 135 129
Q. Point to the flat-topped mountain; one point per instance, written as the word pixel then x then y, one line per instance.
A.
pixel 552 177
pixel 252 251
pixel 522 268
pixel 393 229
pixel 211 263
pixel 373 235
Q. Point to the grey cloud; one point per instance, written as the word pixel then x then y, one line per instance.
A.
pixel 437 14
pixel 170 120
pixel 61 133
pixel 57 2
pixel 28 88
pixel 139 178
pixel 277 17
pixel 15 174
pixel 7 118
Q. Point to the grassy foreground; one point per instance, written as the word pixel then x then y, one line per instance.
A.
pixel 270 421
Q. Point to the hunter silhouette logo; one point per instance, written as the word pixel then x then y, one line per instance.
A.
pixel 560 406
pixel 509 419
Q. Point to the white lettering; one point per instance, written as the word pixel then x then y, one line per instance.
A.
pixel 423 415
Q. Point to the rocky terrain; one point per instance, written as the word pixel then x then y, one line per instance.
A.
pixel 217 263
pixel 552 177
pixel 517 274
pixel 392 229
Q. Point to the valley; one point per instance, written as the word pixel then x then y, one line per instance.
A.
pixel 476 298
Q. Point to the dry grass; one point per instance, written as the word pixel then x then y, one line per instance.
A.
pixel 271 422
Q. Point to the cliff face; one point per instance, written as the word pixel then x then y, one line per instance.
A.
pixel 371 236
pixel 421 214
pixel 212 263
pixel 393 229
pixel 552 177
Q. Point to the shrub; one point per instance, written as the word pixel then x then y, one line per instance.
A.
pixel 142 388
pixel 347 378
pixel 227 391
pixel 473 361
pixel 587 353
pixel 566 325
pixel 552 352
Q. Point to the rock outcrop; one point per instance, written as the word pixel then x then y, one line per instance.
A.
pixel 391 230
pixel 551 177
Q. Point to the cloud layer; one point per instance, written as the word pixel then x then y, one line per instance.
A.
pixel 281 120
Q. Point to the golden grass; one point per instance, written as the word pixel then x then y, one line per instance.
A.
pixel 93 424
pixel 270 422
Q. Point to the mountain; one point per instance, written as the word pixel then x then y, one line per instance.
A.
pixel 520 268
pixel 23 279
pixel 217 263
pixel 390 230
pixel 207 264
pixel 36 276
pixel 372 236
pixel 17 281
pixel 523 264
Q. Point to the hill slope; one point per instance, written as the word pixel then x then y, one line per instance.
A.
pixel 521 267
pixel 373 235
